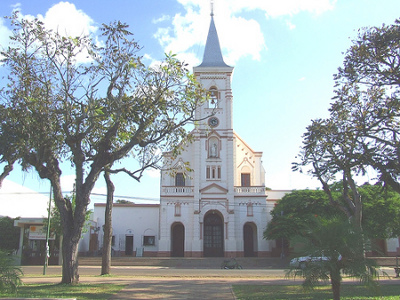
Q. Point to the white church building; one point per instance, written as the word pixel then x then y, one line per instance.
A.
pixel 221 207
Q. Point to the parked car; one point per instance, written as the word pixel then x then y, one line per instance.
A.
pixel 304 261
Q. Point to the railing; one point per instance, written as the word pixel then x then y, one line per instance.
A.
pixel 177 190
pixel 189 190
pixel 259 190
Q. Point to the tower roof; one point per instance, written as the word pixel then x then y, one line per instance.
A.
pixel 212 52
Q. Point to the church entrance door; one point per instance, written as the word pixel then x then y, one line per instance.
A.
pixel 248 236
pixel 213 235
pixel 178 240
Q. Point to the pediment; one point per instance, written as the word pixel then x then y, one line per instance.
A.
pixel 213 189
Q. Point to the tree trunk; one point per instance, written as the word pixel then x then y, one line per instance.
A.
pixel 72 221
pixel 7 170
pixel 106 257
pixel 336 282
pixel 70 260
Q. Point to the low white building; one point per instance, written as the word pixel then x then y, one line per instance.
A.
pixel 135 230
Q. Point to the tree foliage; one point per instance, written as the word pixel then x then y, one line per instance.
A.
pixel 9 235
pixel 300 210
pixel 57 108
pixel 362 131
pixel 296 212
pixel 381 211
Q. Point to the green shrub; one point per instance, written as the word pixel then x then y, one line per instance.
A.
pixel 10 274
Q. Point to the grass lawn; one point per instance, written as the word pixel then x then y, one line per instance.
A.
pixel 277 292
pixel 79 291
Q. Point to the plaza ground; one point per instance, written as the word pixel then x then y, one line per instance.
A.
pixel 169 278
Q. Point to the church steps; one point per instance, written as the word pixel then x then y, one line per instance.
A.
pixel 187 262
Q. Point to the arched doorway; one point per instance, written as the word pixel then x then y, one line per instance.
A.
pixel 249 240
pixel 178 240
pixel 213 235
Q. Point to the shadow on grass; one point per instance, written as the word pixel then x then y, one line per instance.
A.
pixel 278 292
pixel 79 291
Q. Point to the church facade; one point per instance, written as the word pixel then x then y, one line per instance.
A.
pixel 219 208
pixel 216 207
pixel 213 199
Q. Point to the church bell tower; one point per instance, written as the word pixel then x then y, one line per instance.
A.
pixel 217 207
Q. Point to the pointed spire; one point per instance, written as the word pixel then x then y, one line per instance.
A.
pixel 212 52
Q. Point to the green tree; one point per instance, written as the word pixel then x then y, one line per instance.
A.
pixel 296 212
pixel 90 115
pixel 301 210
pixel 381 211
pixel 368 94
pixel 9 235
pixel 344 248
pixel 330 148
pixel 363 128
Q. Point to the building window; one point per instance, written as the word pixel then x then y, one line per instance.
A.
pixel 113 240
pixel 179 179
pixel 177 209
pixel 213 172
pixel 149 240
pixel 250 209
pixel 245 179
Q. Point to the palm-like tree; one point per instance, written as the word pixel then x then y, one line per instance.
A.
pixel 343 249
pixel 10 274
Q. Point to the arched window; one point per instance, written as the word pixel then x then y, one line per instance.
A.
pixel 245 179
pixel 214 96
pixel 245 176
pixel 179 179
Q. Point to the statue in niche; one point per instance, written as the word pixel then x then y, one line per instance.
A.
pixel 214 150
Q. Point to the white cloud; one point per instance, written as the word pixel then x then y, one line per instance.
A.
pixel 67 20
pixel 5 33
pixel 67 183
pixel 161 19
pixel 290 25
pixel 63 18
pixel 239 36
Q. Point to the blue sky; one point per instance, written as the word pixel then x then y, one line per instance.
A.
pixel 284 53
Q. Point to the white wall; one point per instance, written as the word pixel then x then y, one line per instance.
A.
pixel 137 220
